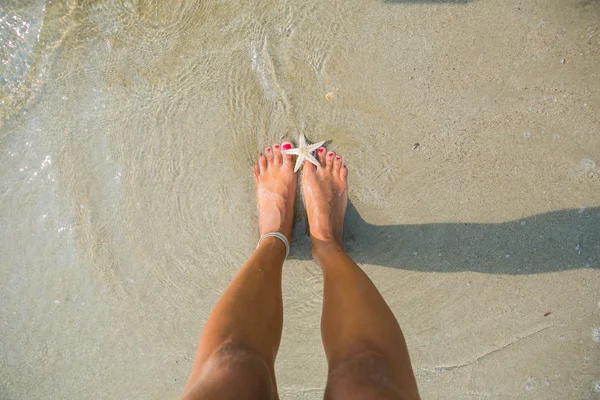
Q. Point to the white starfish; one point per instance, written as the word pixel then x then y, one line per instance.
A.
pixel 303 151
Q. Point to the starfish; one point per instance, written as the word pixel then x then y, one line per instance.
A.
pixel 303 151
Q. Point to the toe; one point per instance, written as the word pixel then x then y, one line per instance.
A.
pixel 344 173
pixel 277 153
pixel 321 151
pixel 255 171
pixel 337 164
pixel 288 159
pixel 308 170
pixel 262 162
pixel 269 155
pixel 329 159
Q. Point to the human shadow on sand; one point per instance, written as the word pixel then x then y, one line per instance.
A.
pixel 554 241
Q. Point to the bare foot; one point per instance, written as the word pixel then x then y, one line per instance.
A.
pixel 275 190
pixel 325 192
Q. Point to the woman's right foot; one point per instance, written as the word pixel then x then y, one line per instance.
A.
pixel 275 190
pixel 325 191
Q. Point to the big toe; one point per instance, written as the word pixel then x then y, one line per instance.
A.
pixel 288 159
pixel 309 171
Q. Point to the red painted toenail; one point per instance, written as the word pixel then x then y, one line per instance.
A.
pixel 268 150
pixel 287 146
pixel 330 155
pixel 338 158
pixel 260 154
pixel 276 146
pixel 321 150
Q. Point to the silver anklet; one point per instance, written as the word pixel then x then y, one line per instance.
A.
pixel 279 236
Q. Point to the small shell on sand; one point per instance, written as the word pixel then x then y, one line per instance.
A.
pixel 589 164
pixel 596 335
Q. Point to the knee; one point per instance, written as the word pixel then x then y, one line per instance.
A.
pixel 236 354
pixel 235 371
pixel 239 360
pixel 366 374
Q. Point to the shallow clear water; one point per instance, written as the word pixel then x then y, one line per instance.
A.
pixel 127 133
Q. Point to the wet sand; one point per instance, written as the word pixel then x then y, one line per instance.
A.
pixel 471 133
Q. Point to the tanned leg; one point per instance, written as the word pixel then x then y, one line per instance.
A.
pixel 237 349
pixel 366 353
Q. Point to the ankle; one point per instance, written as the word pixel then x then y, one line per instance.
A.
pixel 325 245
pixel 273 244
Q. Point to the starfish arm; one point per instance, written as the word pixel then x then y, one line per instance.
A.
pixel 299 162
pixel 291 151
pixel 313 160
pixel 301 141
pixel 313 147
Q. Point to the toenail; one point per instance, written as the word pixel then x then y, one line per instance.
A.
pixel 268 150
pixel 260 154
pixel 321 150
pixel 287 146
pixel 330 155
pixel 338 158
pixel 276 146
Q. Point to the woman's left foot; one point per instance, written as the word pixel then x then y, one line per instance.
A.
pixel 275 190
